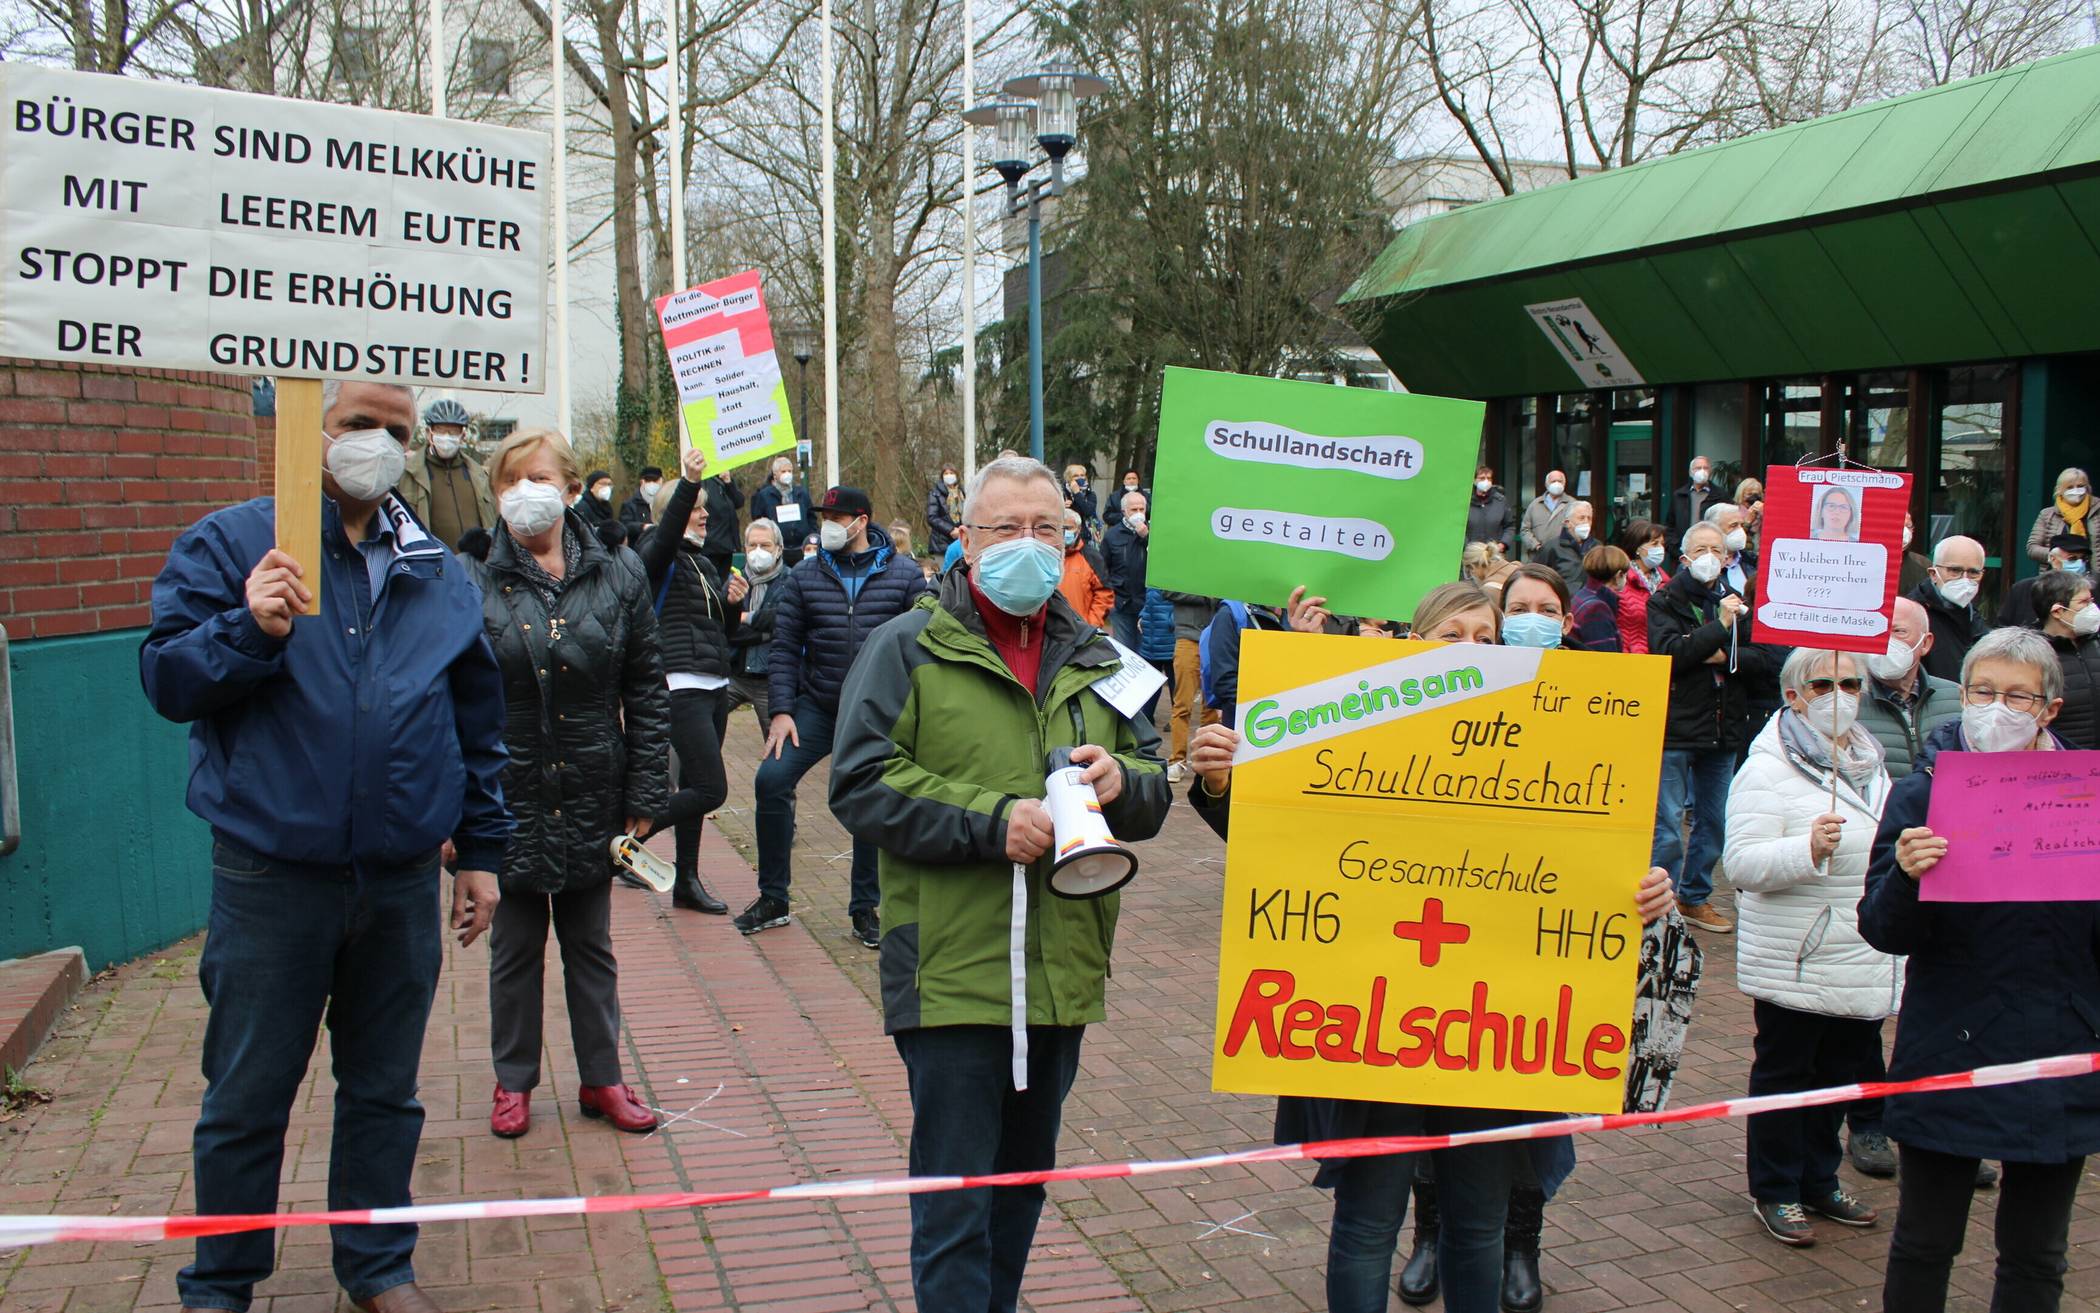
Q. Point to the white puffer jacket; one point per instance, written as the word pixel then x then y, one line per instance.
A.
pixel 1798 926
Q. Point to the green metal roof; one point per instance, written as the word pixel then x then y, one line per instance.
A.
pixel 1958 223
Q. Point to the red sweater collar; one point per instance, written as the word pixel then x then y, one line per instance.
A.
pixel 1007 630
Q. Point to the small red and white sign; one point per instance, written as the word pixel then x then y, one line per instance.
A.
pixel 1832 550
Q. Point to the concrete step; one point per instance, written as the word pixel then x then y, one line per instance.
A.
pixel 33 992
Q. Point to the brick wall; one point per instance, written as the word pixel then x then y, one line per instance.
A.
pixel 102 469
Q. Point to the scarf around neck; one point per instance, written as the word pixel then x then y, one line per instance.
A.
pixel 1857 761
pixel 2074 516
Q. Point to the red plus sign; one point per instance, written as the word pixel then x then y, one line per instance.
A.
pixel 1432 932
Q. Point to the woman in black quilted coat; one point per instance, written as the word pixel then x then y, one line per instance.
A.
pixel 588 731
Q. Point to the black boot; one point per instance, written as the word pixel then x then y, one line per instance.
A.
pixel 1521 1291
pixel 1418 1280
pixel 694 896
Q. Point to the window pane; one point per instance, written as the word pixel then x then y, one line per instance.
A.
pixel 1793 422
pixel 1717 434
pixel 1571 442
pixel 1878 420
pixel 1634 491
pixel 1968 487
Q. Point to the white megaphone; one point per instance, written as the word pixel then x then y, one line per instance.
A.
pixel 1086 860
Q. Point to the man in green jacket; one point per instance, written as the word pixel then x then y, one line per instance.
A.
pixel 988 978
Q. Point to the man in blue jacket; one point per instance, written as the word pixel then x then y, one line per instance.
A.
pixel 334 756
pixel 828 606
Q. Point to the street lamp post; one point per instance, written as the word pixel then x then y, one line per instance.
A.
pixel 799 342
pixel 1044 106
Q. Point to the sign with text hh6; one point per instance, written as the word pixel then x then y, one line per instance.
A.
pixel 1431 872
pixel 730 393
pixel 1271 483
pixel 1833 549
pixel 148 225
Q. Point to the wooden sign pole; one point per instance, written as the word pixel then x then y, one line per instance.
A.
pixel 298 490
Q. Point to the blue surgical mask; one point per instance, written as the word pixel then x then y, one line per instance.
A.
pixel 1652 558
pixel 2074 565
pixel 1530 630
pixel 1019 575
pixel 1071 537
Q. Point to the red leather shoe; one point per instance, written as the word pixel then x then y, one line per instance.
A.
pixel 618 1105
pixel 512 1115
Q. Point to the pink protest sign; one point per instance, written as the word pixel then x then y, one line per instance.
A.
pixel 2019 828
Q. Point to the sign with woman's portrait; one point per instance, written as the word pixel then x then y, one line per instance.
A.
pixel 1832 550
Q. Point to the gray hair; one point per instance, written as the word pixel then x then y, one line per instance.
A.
pixel 1802 662
pixel 1015 469
pixel 763 523
pixel 332 390
pixel 2024 647
pixel 1939 549
pixel 1685 544
pixel 1124 501
pixel 1717 510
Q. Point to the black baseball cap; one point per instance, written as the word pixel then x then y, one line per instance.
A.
pixel 846 501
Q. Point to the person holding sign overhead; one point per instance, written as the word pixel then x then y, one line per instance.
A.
pixel 325 843
pixel 1473 1184
pixel 1987 982
pixel 989 978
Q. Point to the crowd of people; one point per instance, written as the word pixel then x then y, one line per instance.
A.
pixel 526 671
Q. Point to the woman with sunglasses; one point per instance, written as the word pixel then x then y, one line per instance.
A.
pixel 1986 983
pixel 1820 992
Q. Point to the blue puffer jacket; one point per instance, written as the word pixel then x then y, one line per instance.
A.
pixel 1156 627
pixel 352 742
pixel 819 624
pixel 1987 983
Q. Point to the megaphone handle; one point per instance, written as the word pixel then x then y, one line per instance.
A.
pixel 1017 965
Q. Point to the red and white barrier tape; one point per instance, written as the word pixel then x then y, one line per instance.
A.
pixel 24 1230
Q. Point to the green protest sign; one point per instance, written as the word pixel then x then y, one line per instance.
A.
pixel 1271 483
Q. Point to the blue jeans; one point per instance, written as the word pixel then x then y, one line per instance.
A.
pixel 1698 782
pixel 969 1247
pixel 288 947
pixel 1123 623
pixel 1370 1204
pixel 775 790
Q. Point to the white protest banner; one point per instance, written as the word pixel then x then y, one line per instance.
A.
pixel 172 227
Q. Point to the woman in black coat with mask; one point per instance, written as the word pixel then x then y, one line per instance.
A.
pixel 588 734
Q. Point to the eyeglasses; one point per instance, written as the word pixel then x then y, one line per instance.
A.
pixel 1982 695
pixel 1958 572
pixel 1052 535
pixel 1821 686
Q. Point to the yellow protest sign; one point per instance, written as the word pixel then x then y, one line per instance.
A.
pixel 1429 888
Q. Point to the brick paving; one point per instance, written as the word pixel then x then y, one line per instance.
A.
pixel 772 1050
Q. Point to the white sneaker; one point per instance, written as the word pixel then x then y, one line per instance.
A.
pixel 1177 772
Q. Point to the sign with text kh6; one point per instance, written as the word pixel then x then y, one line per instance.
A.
pixel 1271 483
pixel 1832 549
pixel 1429 888
pixel 151 225
pixel 2018 826
pixel 730 391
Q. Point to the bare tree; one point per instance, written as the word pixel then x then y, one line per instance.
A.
pixel 1941 41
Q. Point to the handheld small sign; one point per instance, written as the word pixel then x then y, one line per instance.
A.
pixel 1832 550
pixel 730 391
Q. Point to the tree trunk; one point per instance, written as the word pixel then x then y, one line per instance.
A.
pixel 631 400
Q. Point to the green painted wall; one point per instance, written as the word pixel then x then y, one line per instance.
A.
pixel 110 860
